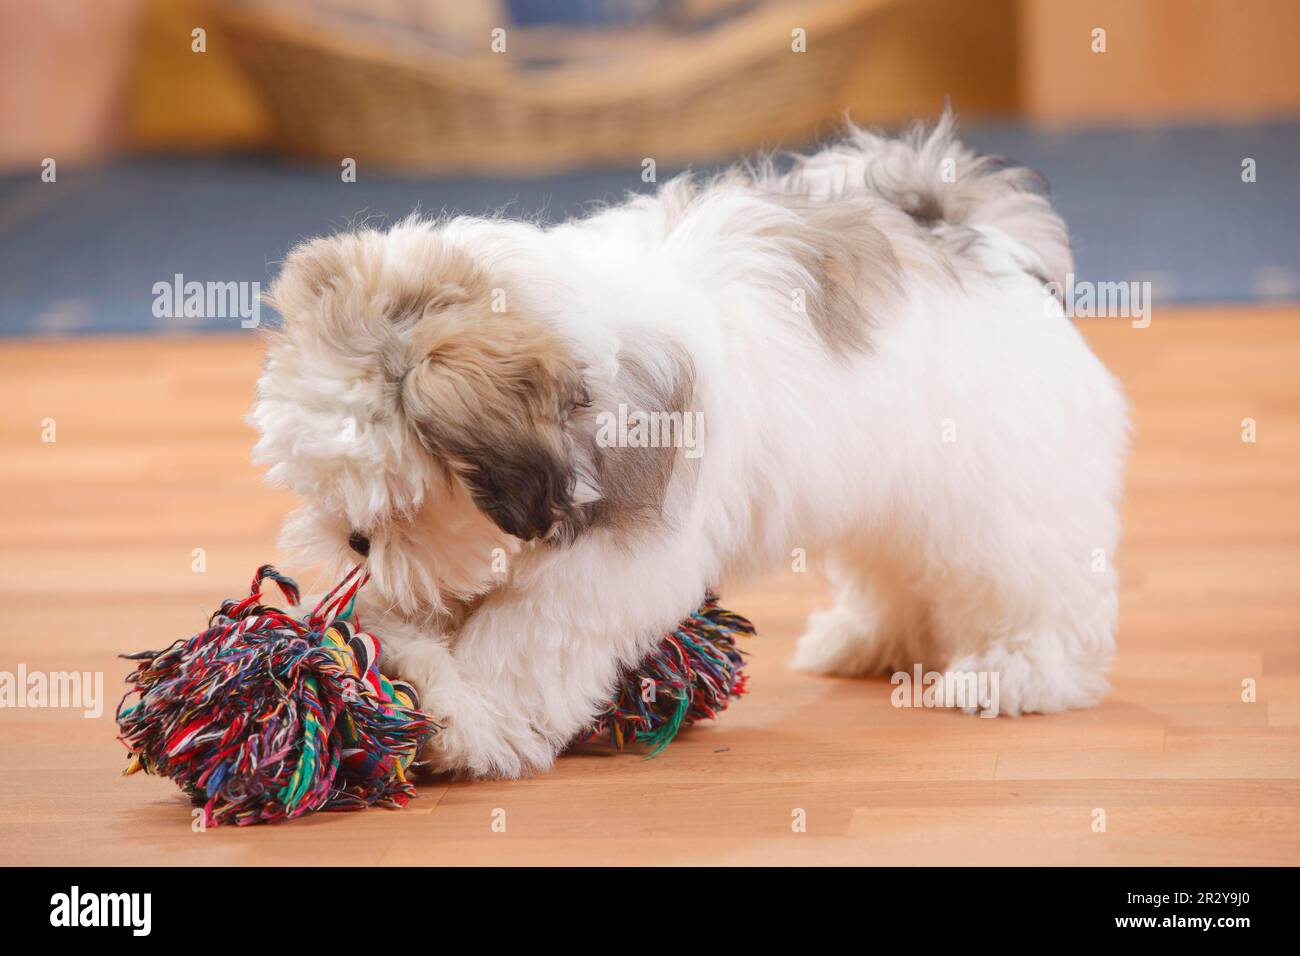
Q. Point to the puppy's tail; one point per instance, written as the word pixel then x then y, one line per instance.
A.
pixel 943 185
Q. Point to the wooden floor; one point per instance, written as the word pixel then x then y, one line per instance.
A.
pixel 151 462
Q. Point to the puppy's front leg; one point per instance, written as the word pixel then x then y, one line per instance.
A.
pixel 510 689
pixel 533 665
pixel 482 734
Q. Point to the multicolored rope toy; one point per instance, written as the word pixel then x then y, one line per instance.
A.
pixel 264 717
pixel 693 675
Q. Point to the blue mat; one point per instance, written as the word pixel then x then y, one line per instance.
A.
pixel 83 255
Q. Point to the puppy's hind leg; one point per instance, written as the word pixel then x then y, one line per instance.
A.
pixel 878 624
pixel 1048 648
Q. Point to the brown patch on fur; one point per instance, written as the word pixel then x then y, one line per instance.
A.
pixel 925 208
pixel 492 396
pixel 460 610
pixel 634 482
pixel 855 271
pixel 851 261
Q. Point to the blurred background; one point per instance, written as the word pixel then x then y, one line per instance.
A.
pixel 140 139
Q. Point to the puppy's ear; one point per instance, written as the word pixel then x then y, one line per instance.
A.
pixel 490 395
pixel 358 290
pixel 308 270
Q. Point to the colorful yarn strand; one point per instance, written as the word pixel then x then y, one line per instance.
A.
pixel 264 717
pixel 694 673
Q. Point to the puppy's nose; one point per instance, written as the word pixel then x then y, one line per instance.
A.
pixel 359 543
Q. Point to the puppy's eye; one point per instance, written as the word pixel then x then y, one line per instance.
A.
pixel 359 543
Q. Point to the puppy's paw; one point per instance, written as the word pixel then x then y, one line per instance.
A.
pixel 470 745
pixel 1015 682
pixel 483 734
pixel 839 643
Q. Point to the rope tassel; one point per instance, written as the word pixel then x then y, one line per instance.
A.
pixel 693 675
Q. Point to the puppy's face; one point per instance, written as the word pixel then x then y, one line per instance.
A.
pixel 423 420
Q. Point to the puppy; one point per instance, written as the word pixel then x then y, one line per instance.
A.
pixel 548 442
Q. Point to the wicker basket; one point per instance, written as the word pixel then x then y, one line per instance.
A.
pixel 336 89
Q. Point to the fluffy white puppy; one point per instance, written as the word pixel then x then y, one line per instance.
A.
pixel 856 358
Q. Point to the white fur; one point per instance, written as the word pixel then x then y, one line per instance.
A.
pixel 978 553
